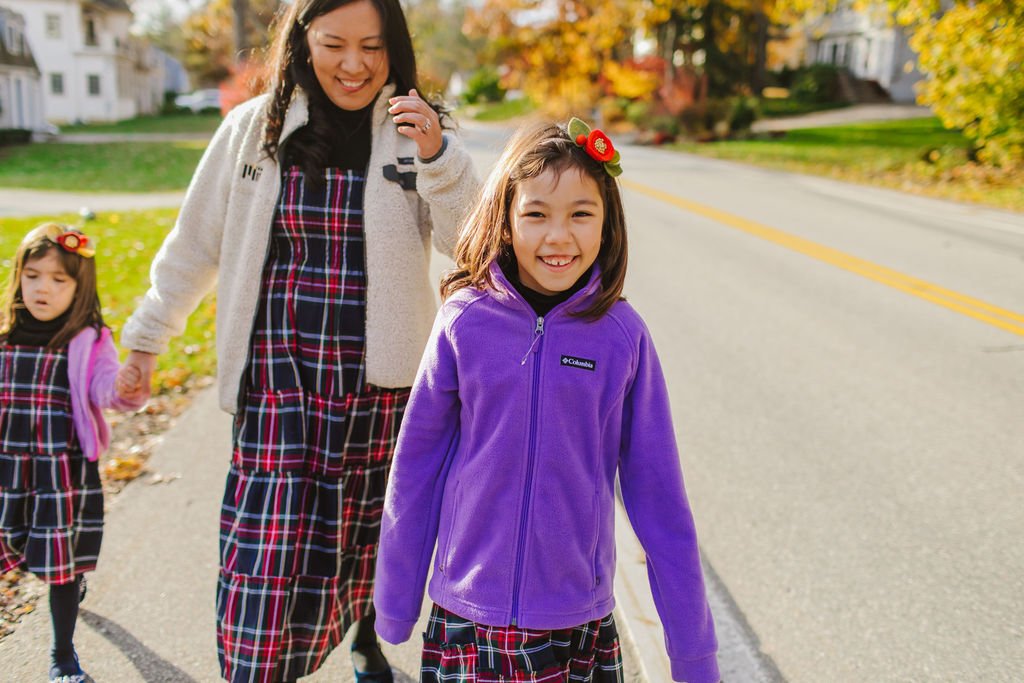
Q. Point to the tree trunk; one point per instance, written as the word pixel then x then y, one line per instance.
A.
pixel 241 10
pixel 760 74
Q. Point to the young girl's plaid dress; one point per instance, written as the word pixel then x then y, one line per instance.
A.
pixel 313 445
pixel 456 650
pixel 51 499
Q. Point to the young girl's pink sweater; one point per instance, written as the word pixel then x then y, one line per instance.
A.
pixel 92 371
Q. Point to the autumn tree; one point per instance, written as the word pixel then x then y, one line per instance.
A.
pixel 973 56
pixel 724 42
pixel 442 47
pixel 210 41
pixel 557 51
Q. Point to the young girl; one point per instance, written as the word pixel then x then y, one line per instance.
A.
pixel 538 386
pixel 58 368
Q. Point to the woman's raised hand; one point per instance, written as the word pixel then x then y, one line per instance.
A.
pixel 421 122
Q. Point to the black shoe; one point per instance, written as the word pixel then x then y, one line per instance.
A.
pixel 69 674
pixel 384 676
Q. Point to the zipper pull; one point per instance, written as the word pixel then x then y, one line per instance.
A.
pixel 537 333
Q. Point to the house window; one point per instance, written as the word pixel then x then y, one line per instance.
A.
pixel 90 32
pixel 53 26
pixel 57 84
pixel 14 43
pixel 94 84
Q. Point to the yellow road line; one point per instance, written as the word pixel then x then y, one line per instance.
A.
pixel 954 301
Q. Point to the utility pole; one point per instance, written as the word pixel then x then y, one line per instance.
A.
pixel 240 9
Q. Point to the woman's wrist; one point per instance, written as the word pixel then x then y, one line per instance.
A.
pixel 437 155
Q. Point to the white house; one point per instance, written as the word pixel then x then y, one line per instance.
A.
pixel 176 79
pixel 93 68
pixel 21 97
pixel 870 45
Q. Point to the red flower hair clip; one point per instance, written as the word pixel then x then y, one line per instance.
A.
pixel 75 242
pixel 597 145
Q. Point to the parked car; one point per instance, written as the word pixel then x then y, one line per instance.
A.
pixel 207 99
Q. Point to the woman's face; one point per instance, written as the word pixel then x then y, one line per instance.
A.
pixel 348 54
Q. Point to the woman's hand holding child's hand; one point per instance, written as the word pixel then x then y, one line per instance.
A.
pixel 135 376
pixel 129 382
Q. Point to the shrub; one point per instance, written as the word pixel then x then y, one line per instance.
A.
pixel 816 83
pixel 15 136
pixel 484 86
pixel 745 110
pixel 637 112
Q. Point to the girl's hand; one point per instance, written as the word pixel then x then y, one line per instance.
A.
pixel 129 380
pixel 135 376
pixel 425 128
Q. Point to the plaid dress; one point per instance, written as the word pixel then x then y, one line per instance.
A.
pixel 313 443
pixel 51 499
pixel 456 650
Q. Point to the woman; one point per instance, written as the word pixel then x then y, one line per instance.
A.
pixel 313 208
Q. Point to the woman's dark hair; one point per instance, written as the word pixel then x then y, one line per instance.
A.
pixel 486 236
pixel 290 67
pixel 85 307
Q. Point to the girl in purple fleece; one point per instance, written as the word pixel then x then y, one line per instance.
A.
pixel 58 370
pixel 538 386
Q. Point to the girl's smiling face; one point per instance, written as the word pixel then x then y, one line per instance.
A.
pixel 557 219
pixel 348 54
pixel 46 288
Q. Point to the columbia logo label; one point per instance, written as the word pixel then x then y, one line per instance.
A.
pixel 581 363
pixel 251 172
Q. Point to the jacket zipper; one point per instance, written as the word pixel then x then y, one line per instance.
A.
pixel 538 332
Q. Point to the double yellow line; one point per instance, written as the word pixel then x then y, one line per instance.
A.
pixel 954 301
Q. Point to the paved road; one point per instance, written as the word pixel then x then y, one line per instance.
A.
pixel 852 437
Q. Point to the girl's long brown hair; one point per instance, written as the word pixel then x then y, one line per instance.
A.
pixel 486 236
pixel 85 307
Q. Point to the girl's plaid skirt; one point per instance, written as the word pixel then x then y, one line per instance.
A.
pixel 313 443
pixel 456 650
pixel 51 499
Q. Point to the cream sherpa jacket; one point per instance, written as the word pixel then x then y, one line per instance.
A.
pixel 223 233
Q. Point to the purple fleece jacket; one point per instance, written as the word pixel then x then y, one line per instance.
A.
pixel 92 369
pixel 507 459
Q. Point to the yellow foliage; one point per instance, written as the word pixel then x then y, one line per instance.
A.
pixel 629 82
pixel 972 56
pixel 560 54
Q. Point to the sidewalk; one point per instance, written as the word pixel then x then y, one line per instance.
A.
pixel 16 202
pixel 106 138
pixel 858 113
pixel 149 615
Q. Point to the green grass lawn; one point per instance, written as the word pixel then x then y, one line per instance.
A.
pixel 126 244
pixel 772 108
pixel 499 111
pixel 915 155
pixel 114 167
pixel 164 123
